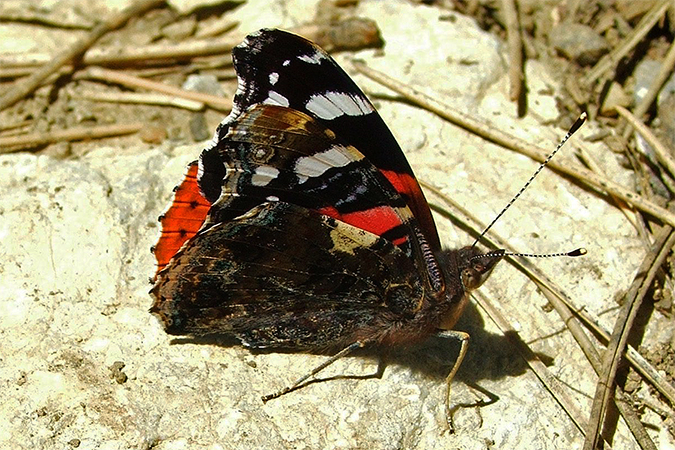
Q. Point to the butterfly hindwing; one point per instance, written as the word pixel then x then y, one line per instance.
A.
pixel 327 285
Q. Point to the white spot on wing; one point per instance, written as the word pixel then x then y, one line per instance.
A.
pixel 317 164
pixel 274 98
pixel 330 105
pixel 263 175
pixel 313 58
pixel 274 77
pixel 286 62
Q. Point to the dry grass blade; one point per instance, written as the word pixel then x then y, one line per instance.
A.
pixel 585 176
pixel 25 87
pixel 623 325
pixel 609 61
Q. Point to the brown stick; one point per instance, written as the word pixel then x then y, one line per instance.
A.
pixel 114 76
pixel 25 87
pixel 515 49
pixel 16 143
pixel 116 55
pixel 140 98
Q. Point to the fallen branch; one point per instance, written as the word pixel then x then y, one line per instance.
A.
pixel 32 140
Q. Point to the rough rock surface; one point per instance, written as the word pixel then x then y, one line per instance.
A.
pixel 75 262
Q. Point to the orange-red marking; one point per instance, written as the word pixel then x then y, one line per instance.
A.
pixel 407 184
pixel 183 219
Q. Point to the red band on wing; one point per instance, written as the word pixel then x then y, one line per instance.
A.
pixel 407 185
pixel 183 219
pixel 376 220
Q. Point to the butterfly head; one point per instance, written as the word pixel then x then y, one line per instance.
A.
pixel 475 267
pixel 465 269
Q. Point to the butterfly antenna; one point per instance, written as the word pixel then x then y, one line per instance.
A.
pixel 578 252
pixel 580 121
pixel 501 253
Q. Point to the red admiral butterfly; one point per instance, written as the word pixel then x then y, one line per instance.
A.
pixel 302 226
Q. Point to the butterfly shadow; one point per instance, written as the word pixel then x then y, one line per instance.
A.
pixel 489 357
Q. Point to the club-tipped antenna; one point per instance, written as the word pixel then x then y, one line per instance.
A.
pixel 577 124
pixel 501 253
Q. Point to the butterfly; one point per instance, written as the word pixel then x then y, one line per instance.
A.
pixel 302 225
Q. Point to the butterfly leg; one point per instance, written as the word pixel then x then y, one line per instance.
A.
pixel 464 346
pixel 344 352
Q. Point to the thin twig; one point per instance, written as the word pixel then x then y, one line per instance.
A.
pixel 24 87
pixel 515 49
pixel 616 347
pixel 562 304
pixel 24 141
pixel 113 76
pixel 139 98
pixel 610 60
pixel 172 51
pixel 596 182
pixel 665 72
pixel 662 153
pixel 115 56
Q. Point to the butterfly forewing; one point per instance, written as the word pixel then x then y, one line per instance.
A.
pixel 275 67
pixel 281 153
